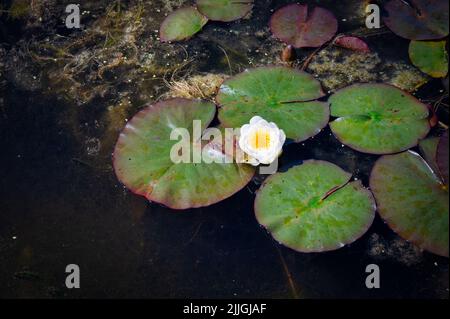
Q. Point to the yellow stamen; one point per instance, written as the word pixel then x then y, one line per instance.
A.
pixel 260 139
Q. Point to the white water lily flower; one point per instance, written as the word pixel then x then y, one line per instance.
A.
pixel 261 141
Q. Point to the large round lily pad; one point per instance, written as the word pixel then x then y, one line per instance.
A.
pixel 430 57
pixel 182 24
pixel 412 200
pixel 278 94
pixel 378 118
pixel 314 207
pixel 418 19
pixel 294 24
pixel 225 10
pixel 442 157
pixel 142 158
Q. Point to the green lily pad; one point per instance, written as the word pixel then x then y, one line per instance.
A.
pixel 142 158
pixel 295 25
pixel 418 19
pixel 278 94
pixel 314 207
pixel 442 157
pixel 224 10
pixel 428 148
pixel 378 118
pixel 430 57
pixel 412 200
pixel 182 24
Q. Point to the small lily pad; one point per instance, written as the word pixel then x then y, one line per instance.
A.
pixel 418 19
pixel 314 207
pixel 378 118
pixel 225 10
pixel 352 43
pixel 428 148
pixel 412 200
pixel 442 157
pixel 182 24
pixel 294 24
pixel 278 94
pixel 430 57
pixel 142 158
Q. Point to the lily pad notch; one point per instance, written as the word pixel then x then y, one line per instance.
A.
pixel 378 118
pixel 412 200
pixel 296 25
pixel 281 95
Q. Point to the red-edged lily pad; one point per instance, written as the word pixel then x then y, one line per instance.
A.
pixel 295 24
pixel 442 157
pixel 418 19
pixel 225 10
pixel 182 24
pixel 278 94
pixel 378 118
pixel 314 207
pixel 142 158
pixel 412 200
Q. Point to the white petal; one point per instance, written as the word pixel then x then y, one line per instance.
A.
pixel 256 119
pixel 244 129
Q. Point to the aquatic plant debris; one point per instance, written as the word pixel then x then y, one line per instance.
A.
pixel 278 94
pixel 418 19
pixel 430 57
pixel 314 207
pixel 294 24
pixel 142 158
pixel 182 24
pixel 378 118
pixel 412 200
pixel 225 10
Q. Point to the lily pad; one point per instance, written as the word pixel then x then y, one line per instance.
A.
pixel 295 25
pixel 378 118
pixel 278 94
pixel 182 24
pixel 225 10
pixel 418 19
pixel 428 148
pixel 142 158
pixel 352 43
pixel 314 207
pixel 430 57
pixel 442 157
pixel 412 200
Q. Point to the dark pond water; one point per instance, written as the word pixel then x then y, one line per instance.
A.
pixel 60 202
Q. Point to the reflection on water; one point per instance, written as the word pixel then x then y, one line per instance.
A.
pixel 60 202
